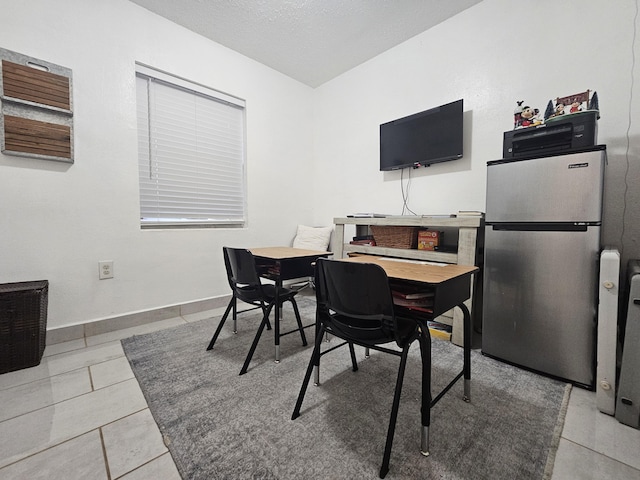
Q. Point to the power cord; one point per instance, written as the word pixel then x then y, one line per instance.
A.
pixel 405 197
pixel 626 174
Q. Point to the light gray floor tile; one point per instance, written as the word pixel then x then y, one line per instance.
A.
pixel 602 433
pixel 69 346
pixel 52 440
pixel 80 458
pixel 110 372
pixel 27 434
pixel 160 468
pixel 42 393
pixel 137 330
pixel 64 362
pixel 575 462
pixel 131 442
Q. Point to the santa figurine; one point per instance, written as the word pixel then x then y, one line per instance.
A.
pixel 517 115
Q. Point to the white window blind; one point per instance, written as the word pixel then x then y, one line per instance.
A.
pixel 191 153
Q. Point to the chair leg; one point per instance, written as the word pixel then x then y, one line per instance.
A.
pixel 265 321
pixel 384 469
pixel 267 308
pixel 316 364
pixel 235 314
pixel 224 319
pixel 276 323
pixel 300 327
pixel 425 409
pixel 315 360
pixel 353 357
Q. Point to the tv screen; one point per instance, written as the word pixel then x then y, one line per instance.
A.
pixel 422 139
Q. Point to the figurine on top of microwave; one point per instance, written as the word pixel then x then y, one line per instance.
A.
pixel 572 104
pixel 526 116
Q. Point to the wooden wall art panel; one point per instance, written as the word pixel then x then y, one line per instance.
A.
pixel 36 114
pixel 33 85
pixel 33 136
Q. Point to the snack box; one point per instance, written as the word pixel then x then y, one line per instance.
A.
pixel 429 239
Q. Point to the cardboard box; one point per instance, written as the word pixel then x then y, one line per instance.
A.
pixel 429 239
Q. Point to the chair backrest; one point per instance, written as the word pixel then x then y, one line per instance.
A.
pixel 241 272
pixel 358 293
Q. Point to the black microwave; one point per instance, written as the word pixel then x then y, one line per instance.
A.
pixel 575 132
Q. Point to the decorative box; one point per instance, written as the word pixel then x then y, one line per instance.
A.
pixel 429 239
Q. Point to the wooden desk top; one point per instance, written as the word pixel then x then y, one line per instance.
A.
pixel 418 272
pixel 281 253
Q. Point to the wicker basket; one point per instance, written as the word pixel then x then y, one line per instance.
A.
pixel 23 324
pixel 395 237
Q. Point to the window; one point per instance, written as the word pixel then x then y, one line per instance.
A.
pixel 191 153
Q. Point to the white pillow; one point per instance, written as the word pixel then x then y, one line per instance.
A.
pixel 312 238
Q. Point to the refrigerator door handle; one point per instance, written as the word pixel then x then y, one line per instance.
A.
pixel 542 227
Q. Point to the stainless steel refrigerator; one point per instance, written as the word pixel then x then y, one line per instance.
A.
pixel 542 245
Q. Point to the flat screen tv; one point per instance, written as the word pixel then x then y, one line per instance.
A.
pixel 422 139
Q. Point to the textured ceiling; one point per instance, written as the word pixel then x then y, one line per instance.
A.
pixel 312 41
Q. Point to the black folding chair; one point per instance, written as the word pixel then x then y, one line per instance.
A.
pixel 354 303
pixel 246 286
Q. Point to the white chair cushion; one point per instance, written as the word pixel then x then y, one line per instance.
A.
pixel 312 238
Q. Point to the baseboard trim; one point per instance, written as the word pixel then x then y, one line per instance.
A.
pixel 105 325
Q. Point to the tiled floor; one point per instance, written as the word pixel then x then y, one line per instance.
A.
pixel 80 414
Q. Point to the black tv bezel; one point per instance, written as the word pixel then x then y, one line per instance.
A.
pixel 415 163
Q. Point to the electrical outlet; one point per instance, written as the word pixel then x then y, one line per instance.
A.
pixel 105 269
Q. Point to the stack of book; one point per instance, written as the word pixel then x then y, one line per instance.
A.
pixel 418 301
pixel 470 213
pixel 421 302
pixel 363 240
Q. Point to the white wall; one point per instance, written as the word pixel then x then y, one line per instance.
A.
pixel 312 155
pixel 57 221
pixel 491 55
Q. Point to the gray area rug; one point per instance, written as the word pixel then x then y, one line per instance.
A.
pixel 219 425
